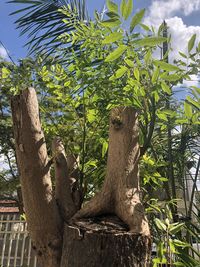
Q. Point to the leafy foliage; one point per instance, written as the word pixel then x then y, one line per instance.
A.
pixel 9 179
pixel 172 245
pixel 43 22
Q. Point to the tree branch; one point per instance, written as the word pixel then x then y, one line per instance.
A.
pixel 42 214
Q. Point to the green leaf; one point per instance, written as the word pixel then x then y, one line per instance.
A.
pixel 67 83
pixel 166 88
pixel 150 41
pixel 156 96
pixel 112 15
pixel 116 53
pixel 181 121
pixel 193 102
pixel 113 37
pixel 179 264
pixel 188 110
pixel 129 62
pixel 155 75
pixel 126 8
pixel 191 42
pixel 160 249
pixel 198 47
pixel 159 260
pixel 119 73
pixel 160 224
pixel 162 116
pixel 112 6
pixel 133 82
pixel 171 245
pixel 196 89
pixel 179 243
pixel 104 148
pixel 175 228
pixel 122 7
pixel 183 55
pixel 5 73
pixel 136 74
pixel 111 23
pixel 92 163
pixel 91 115
pixel 195 119
pixel 171 78
pixel 165 66
pixel 145 27
pixel 148 57
pixel 137 19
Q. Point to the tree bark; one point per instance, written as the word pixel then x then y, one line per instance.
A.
pixel 20 200
pixel 44 223
pixel 104 242
pixel 121 192
pixel 66 192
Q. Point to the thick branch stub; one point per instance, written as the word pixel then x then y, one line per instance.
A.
pixel 65 184
pixel 73 163
pixel 120 192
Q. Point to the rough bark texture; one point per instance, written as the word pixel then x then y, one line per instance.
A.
pixel 104 242
pixel 42 215
pixel 66 190
pixel 120 194
pixel 20 200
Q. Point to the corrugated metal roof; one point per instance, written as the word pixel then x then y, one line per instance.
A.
pixel 8 206
pixel 9 210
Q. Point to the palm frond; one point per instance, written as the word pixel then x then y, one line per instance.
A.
pixel 42 22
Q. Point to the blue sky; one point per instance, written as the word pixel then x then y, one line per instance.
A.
pixel 9 35
pixel 182 17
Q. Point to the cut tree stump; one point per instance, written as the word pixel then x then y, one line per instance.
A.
pixel 104 241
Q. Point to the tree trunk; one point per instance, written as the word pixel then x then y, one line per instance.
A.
pixel 120 194
pixel 20 200
pixel 104 242
pixel 42 215
pixel 122 239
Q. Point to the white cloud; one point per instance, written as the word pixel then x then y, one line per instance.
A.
pixel 193 82
pixel 3 52
pixel 161 9
pixel 181 34
pixel 169 10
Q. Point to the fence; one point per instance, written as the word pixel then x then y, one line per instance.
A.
pixel 15 243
